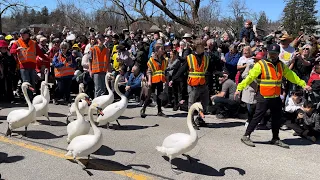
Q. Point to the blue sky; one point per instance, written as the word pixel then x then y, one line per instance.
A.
pixel 273 8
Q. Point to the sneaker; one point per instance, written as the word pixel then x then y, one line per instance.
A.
pixel 246 124
pixel 279 143
pixel 247 141
pixel 55 102
pixel 284 127
pixel 220 116
pixel 162 114
pixel 142 113
pixel 295 134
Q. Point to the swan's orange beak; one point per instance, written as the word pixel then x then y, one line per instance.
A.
pixel 201 114
pixel 31 88
pixel 88 101
pixel 100 111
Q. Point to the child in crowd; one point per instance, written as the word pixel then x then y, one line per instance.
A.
pixel 307 122
pixel 294 105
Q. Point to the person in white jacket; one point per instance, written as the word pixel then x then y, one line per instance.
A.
pixel 294 105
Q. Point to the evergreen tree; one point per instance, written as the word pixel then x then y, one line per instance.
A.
pixel 44 15
pixel 263 21
pixel 299 14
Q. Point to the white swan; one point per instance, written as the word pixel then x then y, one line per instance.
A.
pixel 83 105
pixel 22 117
pixel 79 126
pixel 42 108
pixel 180 143
pixel 44 90
pixel 114 110
pixel 104 100
pixel 85 145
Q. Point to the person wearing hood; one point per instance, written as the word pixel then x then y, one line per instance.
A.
pixel 269 74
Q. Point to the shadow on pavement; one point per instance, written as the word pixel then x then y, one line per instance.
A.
pixel 131 127
pixel 4 158
pixel 200 168
pixel 39 134
pixel 179 115
pixel 299 142
pixel 106 151
pixel 51 114
pixel 224 125
pixel 125 117
pixel 3 118
pixel 107 165
pixel 54 123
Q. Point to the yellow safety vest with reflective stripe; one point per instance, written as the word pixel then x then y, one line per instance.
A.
pixel 196 75
pixel 270 79
pixel 157 72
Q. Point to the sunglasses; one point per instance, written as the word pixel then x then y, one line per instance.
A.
pixel 306 49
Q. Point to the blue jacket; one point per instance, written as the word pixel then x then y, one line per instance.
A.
pixel 134 82
pixel 58 64
pixel 231 64
pixel 249 33
pixel 151 48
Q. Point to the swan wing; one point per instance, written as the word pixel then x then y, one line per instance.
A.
pixel 81 143
pixel 176 140
pixel 16 115
pixel 37 100
pixel 111 112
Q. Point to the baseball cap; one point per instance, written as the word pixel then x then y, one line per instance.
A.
pixel 274 48
pixel 259 55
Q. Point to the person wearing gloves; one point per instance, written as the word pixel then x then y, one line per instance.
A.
pixel 269 74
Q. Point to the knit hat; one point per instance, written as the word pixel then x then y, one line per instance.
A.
pixel 3 43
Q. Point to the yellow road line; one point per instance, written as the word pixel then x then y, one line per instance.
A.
pixel 127 173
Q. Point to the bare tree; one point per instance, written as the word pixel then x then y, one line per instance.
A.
pixel 6 5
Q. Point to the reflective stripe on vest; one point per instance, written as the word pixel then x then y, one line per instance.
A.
pixel 65 70
pixel 28 53
pixel 196 75
pixel 157 73
pixel 271 79
pixel 99 59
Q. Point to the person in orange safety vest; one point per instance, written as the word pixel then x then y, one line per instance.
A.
pixel 64 64
pixel 157 65
pixel 99 64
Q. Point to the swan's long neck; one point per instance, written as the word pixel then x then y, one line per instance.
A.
pixel 193 132
pixel 42 88
pixel 107 84
pixel 76 104
pixel 96 130
pixel 26 96
pixel 46 77
pixel 116 88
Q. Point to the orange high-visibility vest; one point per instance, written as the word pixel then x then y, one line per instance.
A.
pixel 28 53
pixel 196 75
pixel 270 79
pixel 100 59
pixel 64 70
pixel 157 72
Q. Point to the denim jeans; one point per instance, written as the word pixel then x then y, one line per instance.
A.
pixel 99 84
pixel 63 88
pixel 29 75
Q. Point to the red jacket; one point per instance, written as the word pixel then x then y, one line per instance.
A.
pixel 28 65
pixel 313 77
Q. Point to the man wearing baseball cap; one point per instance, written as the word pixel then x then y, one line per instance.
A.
pixel 269 74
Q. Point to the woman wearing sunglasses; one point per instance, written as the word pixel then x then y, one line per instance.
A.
pixel 302 62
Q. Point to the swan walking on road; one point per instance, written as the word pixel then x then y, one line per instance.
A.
pixel 114 110
pixel 180 143
pixel 85 145
pixel 22 117
pixel 104 100
pixel 83 105
pixel 44 90
pixel 43 107
pixel 79 126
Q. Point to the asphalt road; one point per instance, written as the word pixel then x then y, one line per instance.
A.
pixel 129 153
